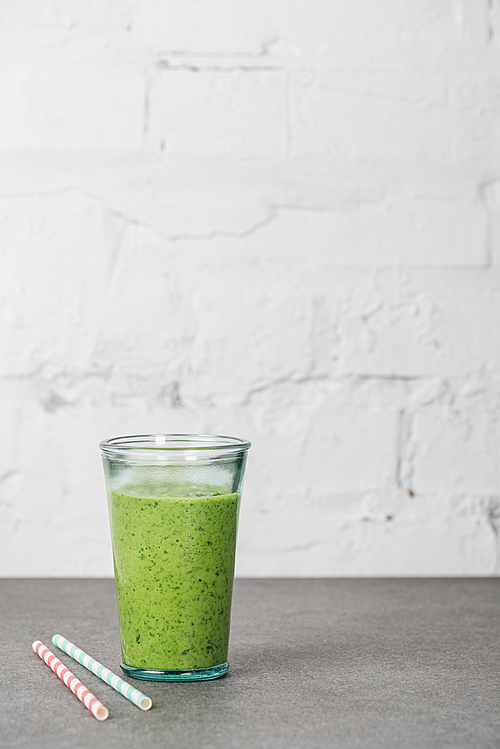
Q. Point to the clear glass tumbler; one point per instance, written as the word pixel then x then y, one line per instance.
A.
pixel 173 507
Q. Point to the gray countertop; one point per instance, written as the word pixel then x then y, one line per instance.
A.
pixel 314 663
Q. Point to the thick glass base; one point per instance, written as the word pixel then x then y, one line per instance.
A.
pixel 195 674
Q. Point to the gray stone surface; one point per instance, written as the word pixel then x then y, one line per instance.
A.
pixel 314 663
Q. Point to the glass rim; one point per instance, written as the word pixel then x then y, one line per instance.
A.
pixel 173 446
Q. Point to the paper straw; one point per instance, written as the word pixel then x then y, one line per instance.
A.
pixel 97 709
pixel 121 686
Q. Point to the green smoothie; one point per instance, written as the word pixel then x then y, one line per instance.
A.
pixel 174 567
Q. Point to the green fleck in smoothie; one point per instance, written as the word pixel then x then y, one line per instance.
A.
pixel 174 567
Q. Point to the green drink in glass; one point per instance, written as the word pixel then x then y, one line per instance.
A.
pixel 173 505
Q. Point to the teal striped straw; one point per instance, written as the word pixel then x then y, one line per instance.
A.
pixel 121 686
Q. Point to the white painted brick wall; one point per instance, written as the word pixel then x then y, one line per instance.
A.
pixel 269 219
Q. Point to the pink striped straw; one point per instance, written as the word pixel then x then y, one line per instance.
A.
pixel 97 709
